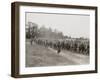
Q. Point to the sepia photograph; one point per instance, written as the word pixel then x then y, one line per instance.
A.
pixel 54 39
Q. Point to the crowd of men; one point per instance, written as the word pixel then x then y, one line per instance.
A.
pixel 78 46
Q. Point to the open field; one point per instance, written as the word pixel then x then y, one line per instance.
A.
pixel 37 55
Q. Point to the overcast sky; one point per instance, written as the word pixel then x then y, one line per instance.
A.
pixel 71 25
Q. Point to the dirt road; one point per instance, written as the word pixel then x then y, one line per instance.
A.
pixel 73 57
pixel 37 55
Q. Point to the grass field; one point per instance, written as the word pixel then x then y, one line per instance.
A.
pixel 37 55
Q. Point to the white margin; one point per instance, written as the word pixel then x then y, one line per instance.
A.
pixel 36 70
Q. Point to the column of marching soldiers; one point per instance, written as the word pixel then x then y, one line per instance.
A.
pixel 71 45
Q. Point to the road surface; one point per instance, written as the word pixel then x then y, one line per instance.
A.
pixel 37 55
pixel 73 57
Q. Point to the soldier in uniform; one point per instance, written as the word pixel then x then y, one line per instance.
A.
pixel 31 41
pixel 58 47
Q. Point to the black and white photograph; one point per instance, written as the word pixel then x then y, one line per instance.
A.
pixel 52 39
pixel 57 39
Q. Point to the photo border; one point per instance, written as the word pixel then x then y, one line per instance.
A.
pixel 15 32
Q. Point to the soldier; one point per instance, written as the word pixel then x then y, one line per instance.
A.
pixel 81 48
pixel 31 41
pixel 58 47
